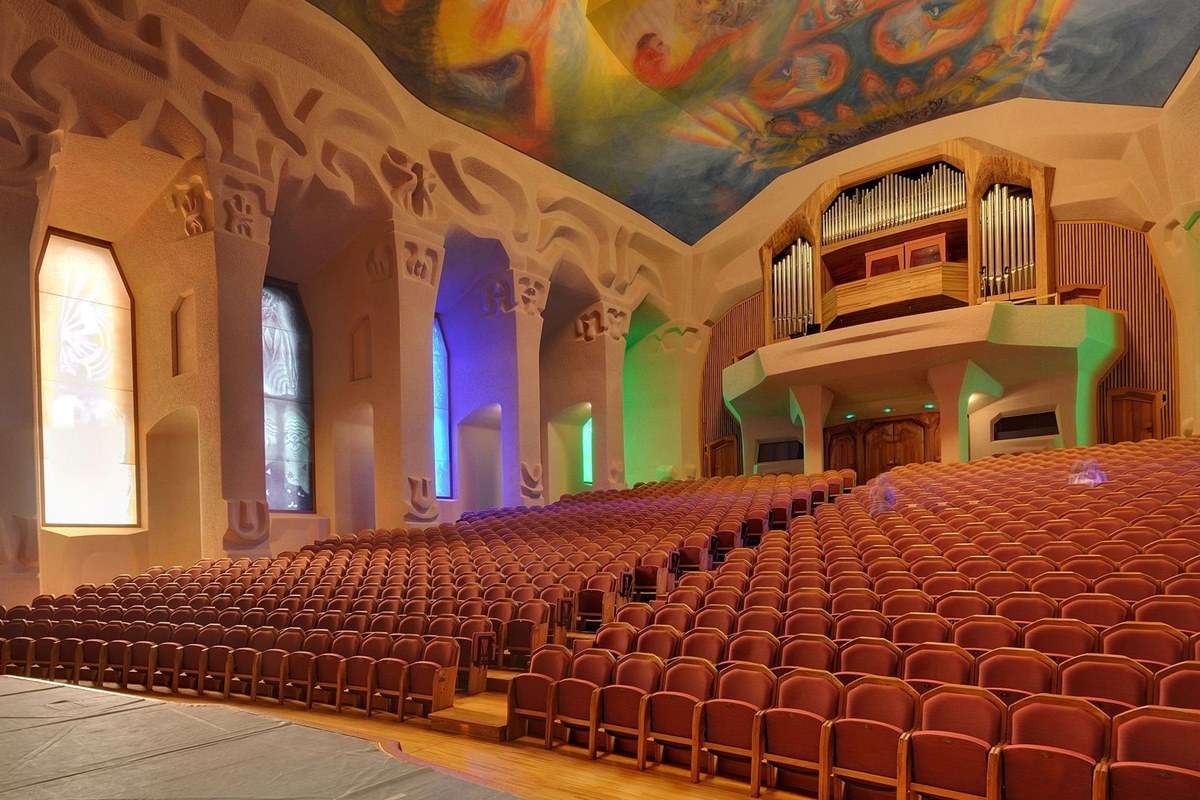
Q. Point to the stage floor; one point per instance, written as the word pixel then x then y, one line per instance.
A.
pixel 59 741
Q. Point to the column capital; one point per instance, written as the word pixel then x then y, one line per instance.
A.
pixel 603 318
pixel 508 291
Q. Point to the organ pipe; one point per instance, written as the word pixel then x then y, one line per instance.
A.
pixel 1007 228
pixel 893 200
pixel 793 294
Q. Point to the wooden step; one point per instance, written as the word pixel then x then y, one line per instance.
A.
pixel 480 716
pixel 498 679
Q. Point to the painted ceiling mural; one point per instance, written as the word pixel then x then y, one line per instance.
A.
pixel 684 109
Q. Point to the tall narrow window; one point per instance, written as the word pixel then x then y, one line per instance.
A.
pixel 85 359
pixel 287 399
pixel 443 483
pixel 585 450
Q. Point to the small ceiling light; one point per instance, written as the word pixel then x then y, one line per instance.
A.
pixel 888 409
pixel 929 406
pixel 851 415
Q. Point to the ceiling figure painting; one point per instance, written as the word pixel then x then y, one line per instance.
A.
pixel 685 109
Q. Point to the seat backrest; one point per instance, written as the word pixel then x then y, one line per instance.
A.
pixel 1096 609
pixel 640 670
pixel 810 650
pixel 813 690
pixel 551 660
pixel 870 656
pixel 882 699
pixel 1148 642
pixel 964 710
pixel 1016 668
pixel 938 661
pixel 692 676
pixel 749 683
pixel 1170 737
pixel 757 647
pixel 1067 637
pixel 1106 676
pixel 346 644
pixel 660 640
pixel 1067 723
pixel 616 636
pixel 442 651
pixel 594 665
pixel 704 643
pixel 721 617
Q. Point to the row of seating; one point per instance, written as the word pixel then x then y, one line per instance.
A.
pixel 377 671
pixel 807 729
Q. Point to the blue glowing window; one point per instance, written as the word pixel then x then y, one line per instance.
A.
pixel 443 484
pixel 287 399
pixel 586 450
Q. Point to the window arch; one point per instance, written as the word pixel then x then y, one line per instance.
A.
pixel 585 450
pixel 442 473
pixel 287 399
pixel 87 385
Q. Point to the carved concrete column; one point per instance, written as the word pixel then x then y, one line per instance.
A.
pixel 244 206
pixel 26 178
pixel 418 256
pixel 504 369
pixel 600 337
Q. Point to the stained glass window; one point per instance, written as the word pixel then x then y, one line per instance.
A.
pixel 88 422
pixel 287 399
pixel 586 451
pixel 443 483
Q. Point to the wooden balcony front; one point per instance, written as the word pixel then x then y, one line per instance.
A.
pixel 933 287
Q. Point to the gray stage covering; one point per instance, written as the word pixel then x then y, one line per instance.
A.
pixel 59 741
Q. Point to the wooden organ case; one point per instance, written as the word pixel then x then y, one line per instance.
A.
pixel 955 224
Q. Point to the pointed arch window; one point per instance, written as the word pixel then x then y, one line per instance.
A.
pixel 287 399
pixel 87 385
pixel 443 481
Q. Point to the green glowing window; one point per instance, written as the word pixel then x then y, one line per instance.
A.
pixel 586 451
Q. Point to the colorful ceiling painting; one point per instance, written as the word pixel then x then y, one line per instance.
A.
pixel 684 109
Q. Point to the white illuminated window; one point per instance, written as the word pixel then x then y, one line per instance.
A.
pixel 85 361
pixel 287 400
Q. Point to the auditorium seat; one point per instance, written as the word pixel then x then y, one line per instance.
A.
pixel 795 732
pixel 724 726
pixel 1154 755
pixel 954 752
pixel 864 742
pixel 1057 748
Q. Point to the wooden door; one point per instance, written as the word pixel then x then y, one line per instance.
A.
pixel 888 444
pixel 878 449
pixel 721 457
pixel 1134 415
pixel 908 443
pixel 841 448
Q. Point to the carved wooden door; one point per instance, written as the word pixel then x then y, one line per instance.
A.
pixel 892 444
pixel 1134 415
pixel 722 457
pixel 878 450
pixel 908 443
pixel 841 449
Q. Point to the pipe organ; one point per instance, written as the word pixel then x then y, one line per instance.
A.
pixel 893 200
pixel 793 291
pixel 950 225
pixel 1006 217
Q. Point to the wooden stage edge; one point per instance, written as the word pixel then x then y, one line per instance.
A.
pixel 465 742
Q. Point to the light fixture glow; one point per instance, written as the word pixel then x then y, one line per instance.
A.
pixel 851 415
pixel 929 406
pixel 888 409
